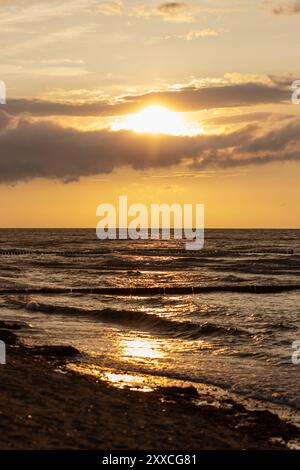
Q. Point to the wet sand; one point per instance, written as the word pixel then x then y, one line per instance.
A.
pixel 43 406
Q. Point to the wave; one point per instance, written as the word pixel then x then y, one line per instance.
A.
pixel 151 291
pixel 138 320
pixel 160 251
pixel 281 326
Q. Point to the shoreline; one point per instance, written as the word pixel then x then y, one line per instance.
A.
pixel 45 405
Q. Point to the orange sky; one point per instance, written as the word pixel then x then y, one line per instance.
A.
pixel 221 128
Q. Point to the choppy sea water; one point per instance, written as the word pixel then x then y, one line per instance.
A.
pixel 241 341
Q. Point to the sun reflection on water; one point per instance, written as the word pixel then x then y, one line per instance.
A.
pixel 130 350
pixel 118 380
pixel 137 350
pixel 134 382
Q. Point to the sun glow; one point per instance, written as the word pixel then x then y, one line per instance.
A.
pixel 156 119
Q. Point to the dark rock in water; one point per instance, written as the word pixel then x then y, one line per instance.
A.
pixel 268 425
pixel 179 392
pixel 54 351
pixel 8 337
pixel 32 305
pixel 238 408
pixel 11 325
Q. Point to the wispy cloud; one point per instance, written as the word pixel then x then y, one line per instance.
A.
pixel 199 33
pixel 285 7
pixel 188 36
pixel 53 37
pixel 46 68
pixel 34 10
pixel 111 8
pixel 176 12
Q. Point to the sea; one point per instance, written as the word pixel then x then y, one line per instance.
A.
pixel 145 310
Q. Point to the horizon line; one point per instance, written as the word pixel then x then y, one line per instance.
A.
pixel 150 228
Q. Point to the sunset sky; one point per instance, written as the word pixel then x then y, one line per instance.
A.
pixel 186 102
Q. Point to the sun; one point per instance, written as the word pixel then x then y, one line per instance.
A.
pixel 155 119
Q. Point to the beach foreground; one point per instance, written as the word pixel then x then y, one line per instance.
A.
pixel 45 407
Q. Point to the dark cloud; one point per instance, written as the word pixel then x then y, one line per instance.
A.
pixel 185 99
pixel 46 150
pixel 178 12
pixel 275 139
pixel 175 11
pixel 287 7
pixel 244 118
pixel 225 160
pixel 4 120
pixel 278 145
pixel 283 81
pixel 172 8
pixel 193 99
pixel 49 108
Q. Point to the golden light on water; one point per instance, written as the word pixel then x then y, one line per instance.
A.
pixel 131 358
pixel 156 119
pixel 125 378
pixel 138 350
pixel 116 379
pixel 131 350
pixel 134 382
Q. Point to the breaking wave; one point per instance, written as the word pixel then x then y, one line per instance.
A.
pixel 138 320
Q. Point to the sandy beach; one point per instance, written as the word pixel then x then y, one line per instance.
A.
pixel 44 406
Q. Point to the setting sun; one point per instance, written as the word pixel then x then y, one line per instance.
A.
pixel 156 119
